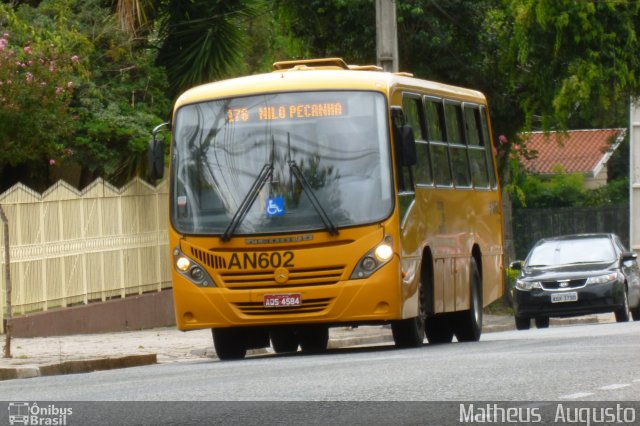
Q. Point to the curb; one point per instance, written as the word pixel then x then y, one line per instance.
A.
pixel 79 366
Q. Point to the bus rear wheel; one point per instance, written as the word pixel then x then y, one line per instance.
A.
pixel 229 343
pixel 468 324
pixel 438 329
pixel 313 338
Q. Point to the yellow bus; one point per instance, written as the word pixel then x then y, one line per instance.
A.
pixel 325 194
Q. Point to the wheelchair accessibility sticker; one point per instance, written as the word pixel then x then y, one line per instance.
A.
pixel 275 207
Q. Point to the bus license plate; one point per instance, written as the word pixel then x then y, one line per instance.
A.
pixel 564 297
pixel 282 300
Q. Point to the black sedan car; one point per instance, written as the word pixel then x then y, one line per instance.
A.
pixel 576 275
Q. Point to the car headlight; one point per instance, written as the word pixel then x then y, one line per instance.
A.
pixel 191 270
pixel 374 259
pixel 602 279
pixel 528 285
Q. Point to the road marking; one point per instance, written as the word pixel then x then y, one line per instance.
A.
pixel 615 386
pixel 636 381
pixel 576 395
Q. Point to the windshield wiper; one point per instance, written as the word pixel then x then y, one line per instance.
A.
pixel 248 200
pixel 328 223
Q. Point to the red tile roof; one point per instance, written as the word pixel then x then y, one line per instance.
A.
pixel 576 151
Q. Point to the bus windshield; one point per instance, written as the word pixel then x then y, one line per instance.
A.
pixel 285 162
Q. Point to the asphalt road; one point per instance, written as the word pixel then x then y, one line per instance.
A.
pixel 598 362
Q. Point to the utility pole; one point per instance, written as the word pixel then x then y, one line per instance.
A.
pixel 7 281
pixel 386 35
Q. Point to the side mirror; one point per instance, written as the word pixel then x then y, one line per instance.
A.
pixel 409 154
pixel 628 257
pixel 155 154
pixel 516 265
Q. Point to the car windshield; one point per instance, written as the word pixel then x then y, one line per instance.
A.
pixel 566 252
pixel 282 162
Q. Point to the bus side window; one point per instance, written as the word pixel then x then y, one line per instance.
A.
pixel 414 113
pixel 489 147
pixel 457 145
pixel 438 148
pixel 477 155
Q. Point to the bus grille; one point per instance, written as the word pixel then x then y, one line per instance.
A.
pixel 246 280
pixel 298 277
pixel 308 306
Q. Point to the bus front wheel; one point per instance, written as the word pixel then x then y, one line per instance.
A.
pixel 409 333
pixel 284 340
pixel 313 338
pixel 229 343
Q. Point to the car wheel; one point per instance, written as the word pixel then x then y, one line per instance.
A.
pixel 623 314
pixel 229 343
pixel 313 338
pixel 542 322
pixel 283 340
pixel 468 324
pixel 636 313
pixel 523 323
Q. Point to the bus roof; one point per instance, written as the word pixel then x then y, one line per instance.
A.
pixel 323 74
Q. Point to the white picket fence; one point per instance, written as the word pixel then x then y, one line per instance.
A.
pixel 70 247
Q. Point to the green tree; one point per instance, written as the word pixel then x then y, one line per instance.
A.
pixel 330 28
pixel 37 79
pixel 118 95
pixel 203 40
pixel 568 62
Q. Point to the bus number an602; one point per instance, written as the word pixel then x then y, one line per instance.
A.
pixel 264 260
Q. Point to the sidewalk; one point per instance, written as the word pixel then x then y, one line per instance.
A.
pixel 45 356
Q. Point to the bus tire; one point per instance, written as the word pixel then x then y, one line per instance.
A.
pixel 313 338
pixel 283 340
pixel 468 324
pixel 229 343
pixel 438 329
pixel 409 333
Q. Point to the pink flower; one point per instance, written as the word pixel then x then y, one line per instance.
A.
pixel 3 43
pixel 502 139
pixel 52 162
pixel 29 77
pixel 27 49
pixel 5 36
pixel 59 90
pixel 75 58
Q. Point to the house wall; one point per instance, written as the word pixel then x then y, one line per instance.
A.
pixel 593 182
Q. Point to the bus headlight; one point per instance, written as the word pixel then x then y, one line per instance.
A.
pixel 183 264
pixel 191 270
pixel 374 259
pixel 383 252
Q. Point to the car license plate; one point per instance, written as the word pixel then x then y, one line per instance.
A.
pixel 282 300
pixel 571 296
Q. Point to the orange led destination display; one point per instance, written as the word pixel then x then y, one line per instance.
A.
pixel 286 112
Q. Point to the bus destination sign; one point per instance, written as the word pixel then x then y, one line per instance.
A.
pixel 293 112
